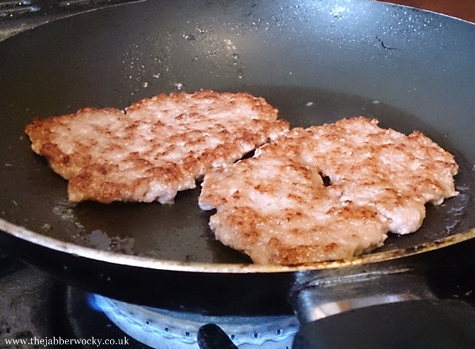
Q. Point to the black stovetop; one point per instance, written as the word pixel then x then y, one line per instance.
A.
pixel 35 307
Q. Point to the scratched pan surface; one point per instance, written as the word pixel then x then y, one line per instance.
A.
pixel 315 61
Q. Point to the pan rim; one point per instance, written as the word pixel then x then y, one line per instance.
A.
pixel 75 250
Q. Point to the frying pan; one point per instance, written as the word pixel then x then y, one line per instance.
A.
pixel 316 61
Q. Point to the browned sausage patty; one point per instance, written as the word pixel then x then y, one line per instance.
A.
pixel 277 208
pixel 154 148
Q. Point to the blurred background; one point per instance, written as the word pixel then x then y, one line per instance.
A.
pixel 464 9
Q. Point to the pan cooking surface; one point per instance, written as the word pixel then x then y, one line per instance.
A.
pixel 316 62
pixel 180 231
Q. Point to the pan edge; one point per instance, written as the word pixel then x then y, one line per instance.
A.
pixel 151 263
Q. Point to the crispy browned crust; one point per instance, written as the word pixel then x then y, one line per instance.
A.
pixel 276 208
pixel 154 148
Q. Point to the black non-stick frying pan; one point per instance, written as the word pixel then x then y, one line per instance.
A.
pixel 316 61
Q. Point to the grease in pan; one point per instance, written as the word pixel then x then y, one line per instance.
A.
pixel 275 206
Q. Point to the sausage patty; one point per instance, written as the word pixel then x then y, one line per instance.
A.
pixel 154 148
pixel 327 192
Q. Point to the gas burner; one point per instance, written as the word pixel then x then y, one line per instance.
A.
pixel 164 329
pixel 34 305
